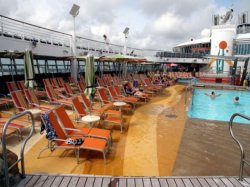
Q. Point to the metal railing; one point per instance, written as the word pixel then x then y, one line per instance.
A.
pixel 6 167
pixel 243 161
pixel 20 30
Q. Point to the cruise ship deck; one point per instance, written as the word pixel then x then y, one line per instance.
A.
pixel 155 142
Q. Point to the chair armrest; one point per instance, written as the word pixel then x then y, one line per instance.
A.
pixel 7 112
pixel 21 108
pixel 34 104
pixel 57 139
pixel 70 129
pixel 72 95
pixel 62 96
pixel 45 101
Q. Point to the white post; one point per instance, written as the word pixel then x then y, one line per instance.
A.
pixel 125 45
pixel 74 66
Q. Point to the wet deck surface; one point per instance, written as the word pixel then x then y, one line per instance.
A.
pixel 95 181
pixel 207 149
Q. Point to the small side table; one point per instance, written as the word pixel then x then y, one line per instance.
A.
pixel 90 119
pixel 119 104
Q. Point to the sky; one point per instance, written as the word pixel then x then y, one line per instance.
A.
pixel 153 24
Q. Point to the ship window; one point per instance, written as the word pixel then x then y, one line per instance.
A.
pixel 60 66
pixel 41 65
pixel 67 66
pixel 52 66
pixel 6 66
pixel 81 66
pixel 246 49
pixel 19 66
pixel 36 69
pixel 239 50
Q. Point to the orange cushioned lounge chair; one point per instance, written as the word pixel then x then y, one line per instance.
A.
pixel 84 131
pixel 34 102
pixel 60 141
pixel 57 98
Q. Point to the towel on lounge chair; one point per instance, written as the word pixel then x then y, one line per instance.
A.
pixel 50 131
pixel 77 141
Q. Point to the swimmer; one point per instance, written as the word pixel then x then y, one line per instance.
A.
pixel 212 94
pixel 236 100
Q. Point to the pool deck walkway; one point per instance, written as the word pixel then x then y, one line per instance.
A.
pixel 109 181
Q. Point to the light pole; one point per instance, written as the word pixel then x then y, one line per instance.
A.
pixel 74 71
pixel 125 32
pixel 125 65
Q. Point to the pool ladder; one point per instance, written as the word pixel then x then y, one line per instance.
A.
pixel 21 159
pixel 243 161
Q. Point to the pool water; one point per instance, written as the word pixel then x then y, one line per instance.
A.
pixel 187 80
pixel 220 108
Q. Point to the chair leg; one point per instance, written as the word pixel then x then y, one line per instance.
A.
pixel 121 127
pixel 104 156
pixel 77 155
pixel 47 147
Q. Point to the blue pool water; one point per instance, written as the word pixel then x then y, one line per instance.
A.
pixel 220 108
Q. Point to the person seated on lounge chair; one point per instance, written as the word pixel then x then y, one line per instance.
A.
pixel 136 92
pixel 128 89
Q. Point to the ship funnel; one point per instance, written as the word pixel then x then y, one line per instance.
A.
pixel 216 19
pixel 244 18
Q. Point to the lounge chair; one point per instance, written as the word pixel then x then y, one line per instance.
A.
pixel 22 105
pixel 81 86
pixel 119 94
pixel 90 108
pixel 57 98
pixel 48 82
pixel 69 90
pixel 17 125
pixel 5 101
pixel 60 139
pixel 72 131
pixel 38 93
pixel 12 86
pixel 9 131
pixel 60 81
pixel 132 100
pixel 34 102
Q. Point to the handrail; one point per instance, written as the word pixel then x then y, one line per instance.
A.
pixel 6 168
pixel 242 153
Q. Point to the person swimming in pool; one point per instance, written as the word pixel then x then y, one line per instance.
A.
pixel 236 100
pixel 212 94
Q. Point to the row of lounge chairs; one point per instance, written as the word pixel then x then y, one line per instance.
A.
pixel 70 95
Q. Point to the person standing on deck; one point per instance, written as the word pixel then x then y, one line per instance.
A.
pixel 248 79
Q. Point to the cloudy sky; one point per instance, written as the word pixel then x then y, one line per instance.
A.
pixel 154 24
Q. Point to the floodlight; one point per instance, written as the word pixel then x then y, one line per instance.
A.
pixel 74 10
pixel 126 31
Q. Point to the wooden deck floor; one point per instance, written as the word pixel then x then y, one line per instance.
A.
pixel 39 180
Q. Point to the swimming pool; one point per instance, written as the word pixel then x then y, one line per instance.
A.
pixel 220 108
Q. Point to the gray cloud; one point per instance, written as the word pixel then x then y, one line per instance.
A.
pixel 8 7
pixel 159 24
